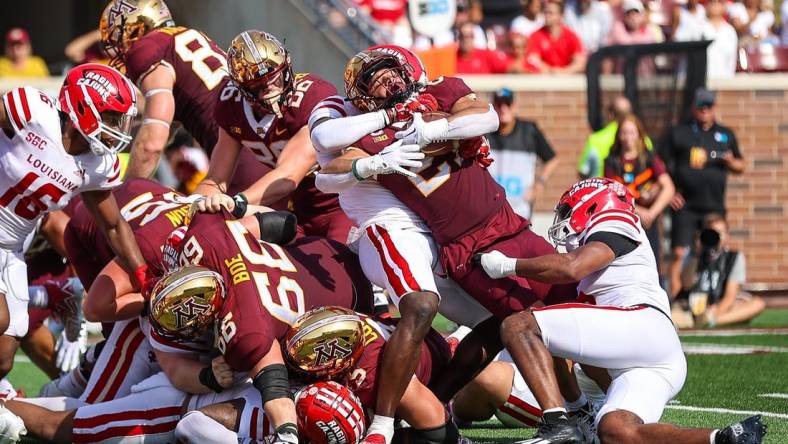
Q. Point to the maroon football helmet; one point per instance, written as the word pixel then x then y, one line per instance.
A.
pixel 101 103
pixel 329 412
pixel 584 200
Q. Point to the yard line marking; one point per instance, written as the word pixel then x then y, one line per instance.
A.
pixel 725 349
pixel 774 395
pixel 735 332
pixel 729 411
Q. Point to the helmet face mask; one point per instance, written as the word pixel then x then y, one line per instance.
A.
pixel 368 70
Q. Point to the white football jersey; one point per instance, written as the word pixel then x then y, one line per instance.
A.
pixel 37 175
pixel 632 278
pixel 367 202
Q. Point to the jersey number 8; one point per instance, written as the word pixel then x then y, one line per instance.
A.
pixel 198 57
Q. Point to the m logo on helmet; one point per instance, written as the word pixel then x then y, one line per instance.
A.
pixel 187 311
pixel 121 7
pixel 330 350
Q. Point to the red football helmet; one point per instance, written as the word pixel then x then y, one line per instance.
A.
pixel 585 199
pixel 101 104
pixel 329 413
pixel 412 63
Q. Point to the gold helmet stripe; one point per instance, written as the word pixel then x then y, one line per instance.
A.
pixel 321 323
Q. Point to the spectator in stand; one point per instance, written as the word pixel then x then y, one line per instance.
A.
pixel 86 48
pixel 517 57
pixel 449 37
pixel 392 16
pixel 598 144
pixel 700 153
pixel 530 20
pixel 554 48
pixel 19 60
pixel 714 278
pixel 633 29
pixel 688 21
pixel 724 48
pixel 516 147
pixel 643 172
pixel 591 21
pixel 753 19
pixel 471 60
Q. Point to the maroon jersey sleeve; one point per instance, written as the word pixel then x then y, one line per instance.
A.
pixel 146 54
pixel 228 112
pixel 447 90
pixel 309 91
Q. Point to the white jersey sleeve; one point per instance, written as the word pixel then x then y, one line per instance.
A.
pixel 614 221
pixel 29 108
pixel 335 124
pixel 332 107
pixel 100 172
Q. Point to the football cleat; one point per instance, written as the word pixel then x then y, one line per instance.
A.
pixel 562 432
pixel 11 426
pixel 185 302
pixel 325 342
pixel 748 431
pixel 329 412
pixel 584 417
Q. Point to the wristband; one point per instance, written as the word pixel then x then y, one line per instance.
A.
pixel 354 171
pixel 241 204
pixel 286 433
pixel 208 379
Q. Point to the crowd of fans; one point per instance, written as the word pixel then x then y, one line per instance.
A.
pixel 555 36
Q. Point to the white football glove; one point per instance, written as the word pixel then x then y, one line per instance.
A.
pixel 497 264
pixel 423 133
pixel 395 158
pixel 68 353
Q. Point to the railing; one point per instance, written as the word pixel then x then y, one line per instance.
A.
pixel 342 22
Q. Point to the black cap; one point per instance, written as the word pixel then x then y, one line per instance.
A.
pixel 703 98
pixel 503 95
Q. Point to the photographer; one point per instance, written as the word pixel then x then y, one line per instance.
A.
pixel 699 154
pixel 714 292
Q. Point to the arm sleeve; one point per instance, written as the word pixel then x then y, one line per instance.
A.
pixel 334 183
pixel 619 243
pixel 473 125
pixel 335 134
pixel 543 148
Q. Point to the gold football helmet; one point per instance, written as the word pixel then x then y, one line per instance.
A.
pixel 125 21
pixel 360 71
pixel 325 342
pixel 185 302
pixel 260 65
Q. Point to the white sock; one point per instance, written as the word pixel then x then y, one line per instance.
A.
pixel 713 436
pixel 38 296
pixel 196 427
pixel 556 409
pixel 6 389
pixel 55 403
pixel 577 404
pixel 383 425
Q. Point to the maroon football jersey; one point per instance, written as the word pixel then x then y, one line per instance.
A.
pixel 266 136
pixel 152 212
pixel 364 380
pixel 452 195
pixel 269 286
pixel 198 65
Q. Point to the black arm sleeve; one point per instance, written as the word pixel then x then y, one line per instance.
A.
pixel 543 149
pixel 619 243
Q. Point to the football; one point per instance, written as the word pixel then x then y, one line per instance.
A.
pixel 441 147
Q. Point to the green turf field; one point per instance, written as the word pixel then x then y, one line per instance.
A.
pixel 720 388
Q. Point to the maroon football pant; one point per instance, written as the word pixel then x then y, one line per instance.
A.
pixel 333 224
pixel 503 297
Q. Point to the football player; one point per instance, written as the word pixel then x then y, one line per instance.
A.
pixel 150 412
pixel 265 109
pixel 336 343
pixel 374 81
pixel 628 322
pixel 268 288
pixel 53 150
pixel 179 70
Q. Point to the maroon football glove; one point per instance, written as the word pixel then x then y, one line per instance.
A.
pixel 403 112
